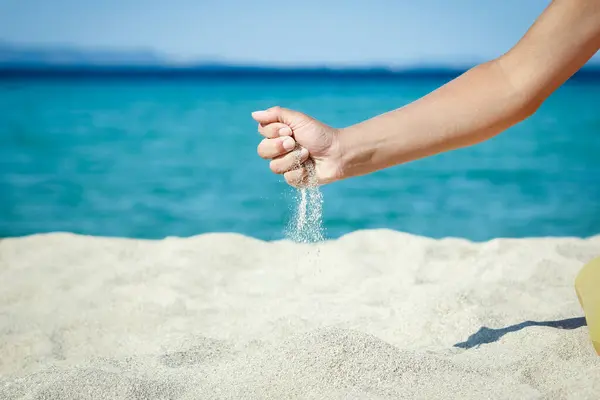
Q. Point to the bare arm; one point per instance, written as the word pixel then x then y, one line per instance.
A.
pixel 485 100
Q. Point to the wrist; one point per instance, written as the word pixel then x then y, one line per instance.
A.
pixel 352 155
pixel 334 161
pixel 345 153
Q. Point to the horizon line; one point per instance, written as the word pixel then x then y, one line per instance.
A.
pixel 215 70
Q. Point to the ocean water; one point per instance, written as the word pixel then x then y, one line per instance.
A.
pixel 150 158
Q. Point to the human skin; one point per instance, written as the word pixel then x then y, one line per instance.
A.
pixel 472 108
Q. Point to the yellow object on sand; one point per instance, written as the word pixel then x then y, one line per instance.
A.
pixel 587 285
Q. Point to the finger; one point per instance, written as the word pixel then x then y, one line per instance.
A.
pixel 296 177
pixel 274 130
pixel 275 114
pixel 289 161
pixel 271 148
pixel 266 116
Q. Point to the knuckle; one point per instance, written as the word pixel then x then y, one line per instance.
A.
pixel 275 167
pixel 272 131
pixel 261 150
pixel 279 166
pixel 269 131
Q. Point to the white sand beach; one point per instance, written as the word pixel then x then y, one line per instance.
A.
pixel 373 315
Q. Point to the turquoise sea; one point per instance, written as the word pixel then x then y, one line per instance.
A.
pixel 149 158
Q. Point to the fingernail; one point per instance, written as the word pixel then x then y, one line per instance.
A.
pixel 258 113
pixel 303 152
pixel 285 131
pixel 288 143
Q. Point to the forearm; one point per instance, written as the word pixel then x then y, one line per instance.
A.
pixel 467 110
pixel 482 102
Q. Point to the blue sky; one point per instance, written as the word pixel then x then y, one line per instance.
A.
pixel 334 32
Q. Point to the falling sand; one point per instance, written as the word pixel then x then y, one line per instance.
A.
pixel 306 225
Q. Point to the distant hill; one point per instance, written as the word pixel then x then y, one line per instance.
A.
pixel 16 60
pixel 60 57
pixel 17 55
pixel 42 61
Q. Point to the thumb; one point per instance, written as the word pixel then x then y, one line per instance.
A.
pixel 275 114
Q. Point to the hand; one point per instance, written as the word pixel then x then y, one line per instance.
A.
pixel 291 138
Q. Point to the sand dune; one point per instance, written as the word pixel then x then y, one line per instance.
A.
pixel 373 315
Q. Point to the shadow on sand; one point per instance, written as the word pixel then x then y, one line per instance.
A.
pixel 487 335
